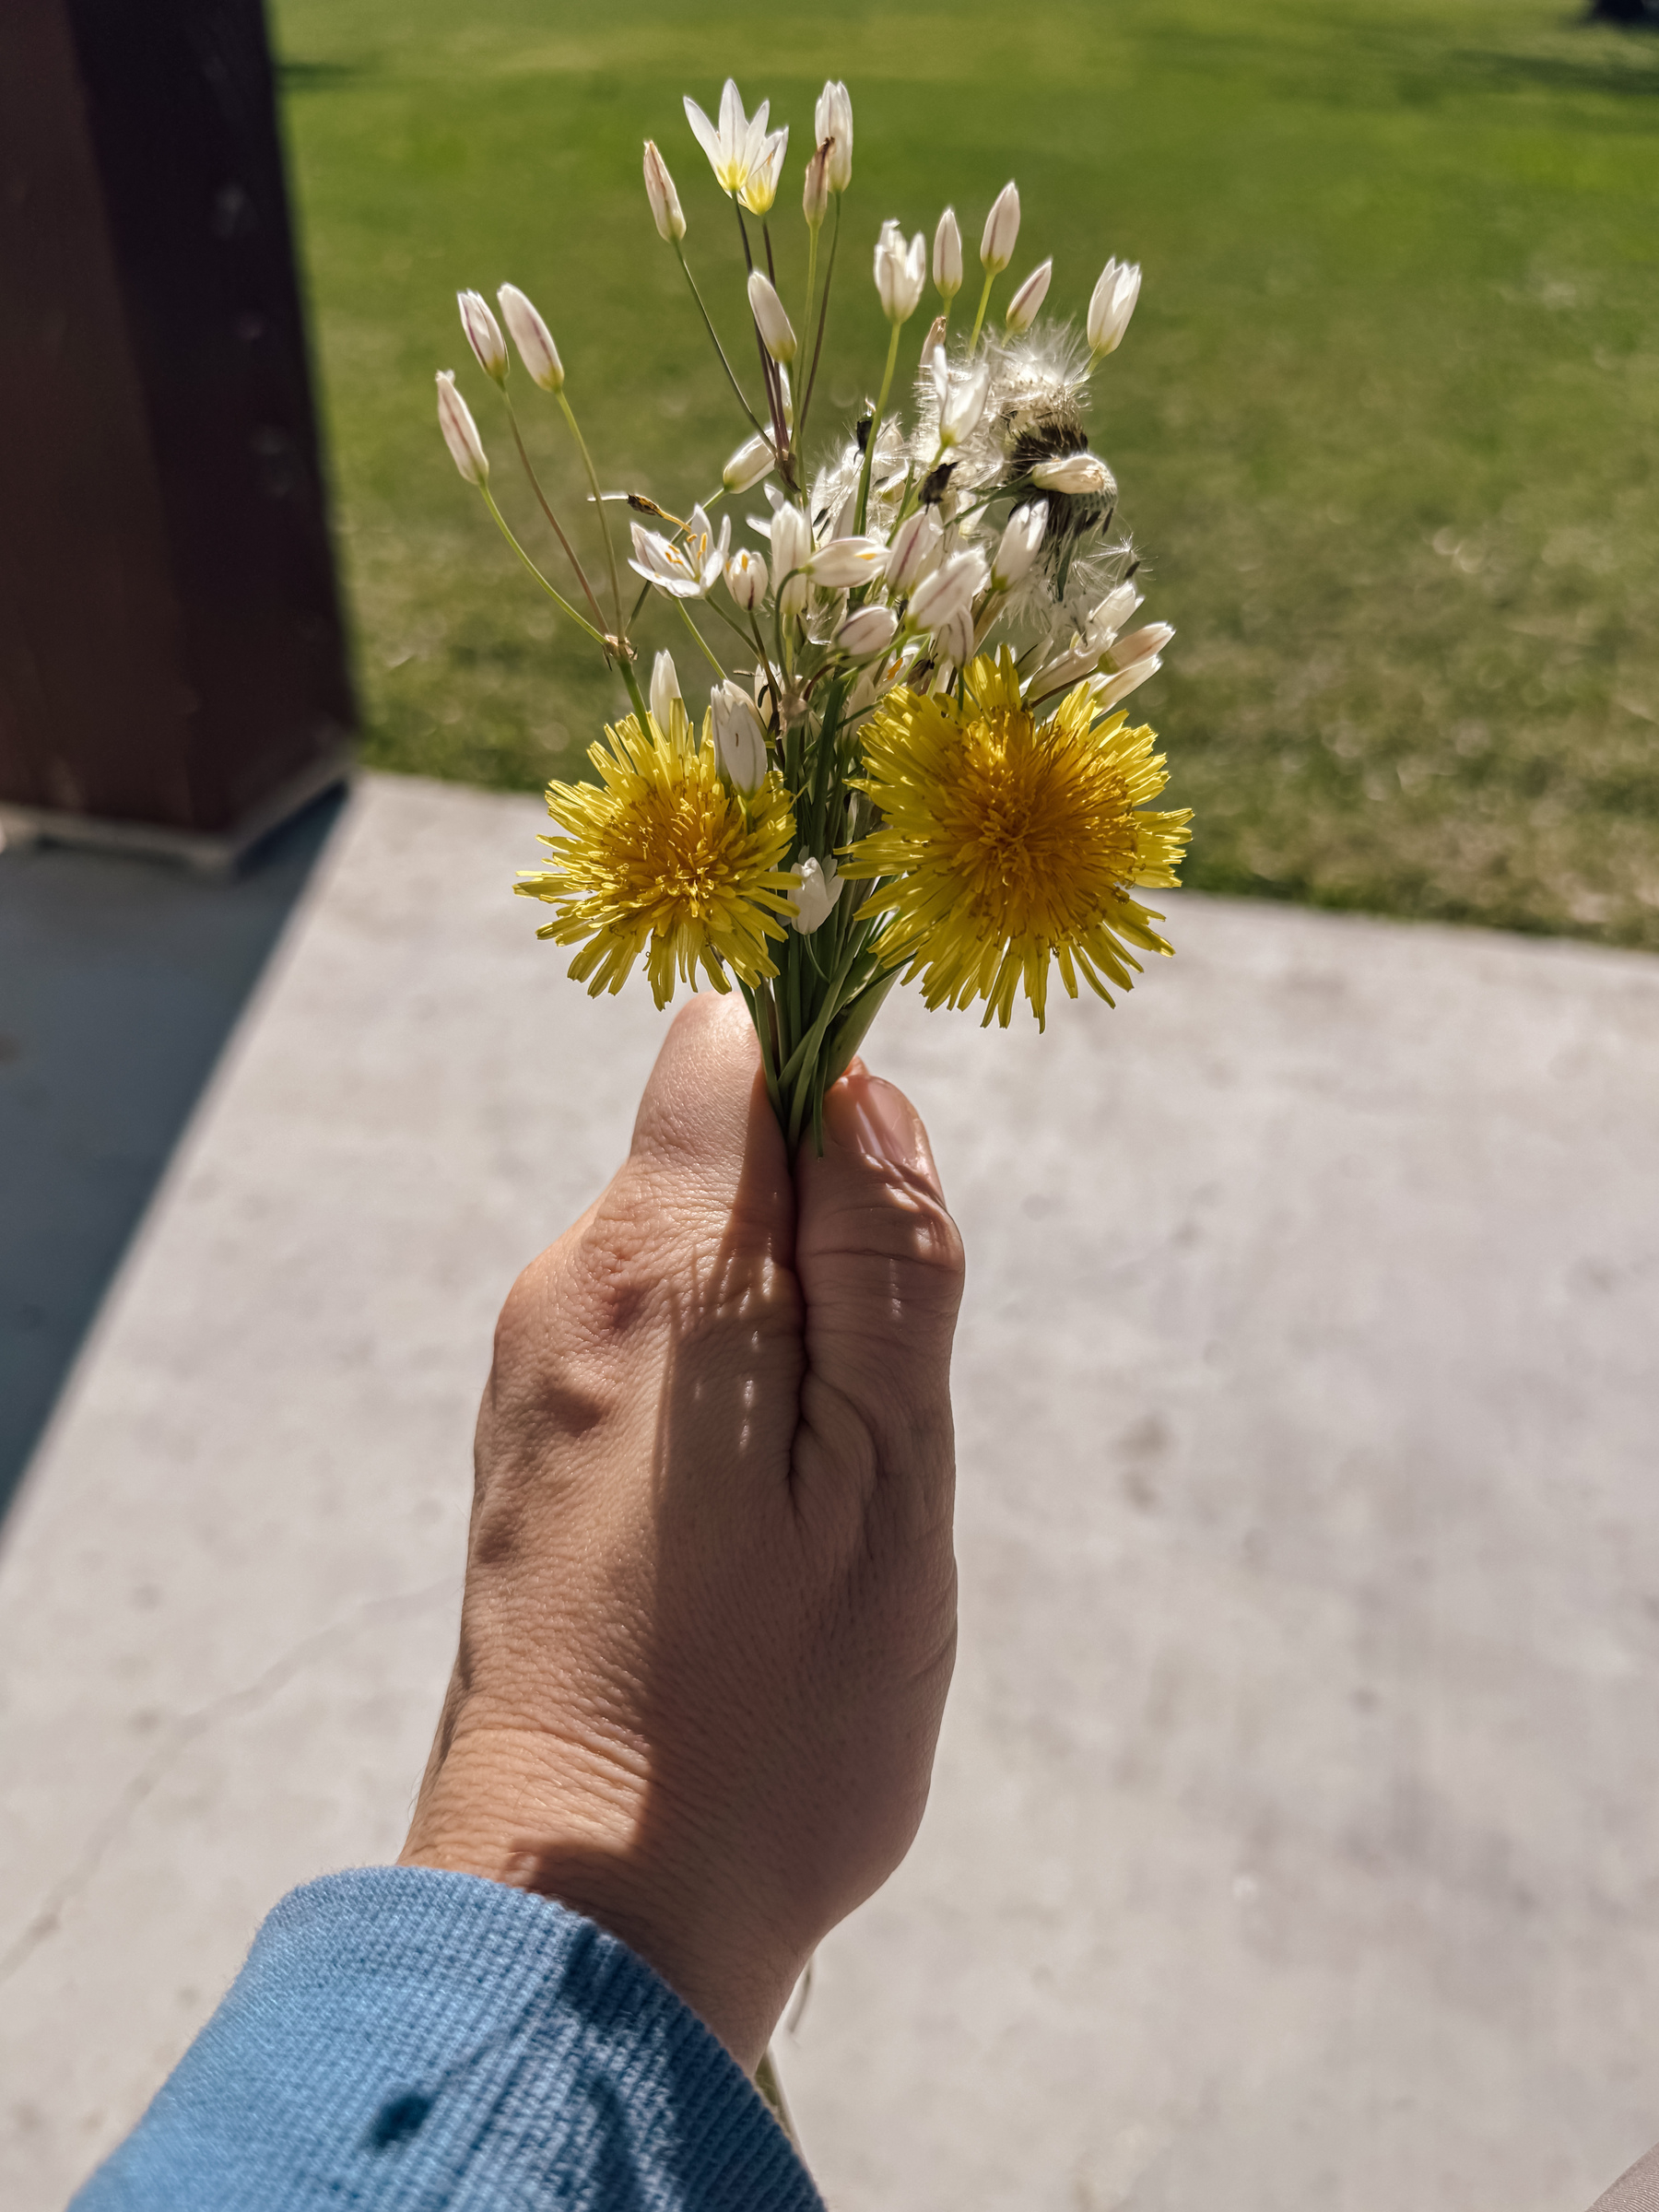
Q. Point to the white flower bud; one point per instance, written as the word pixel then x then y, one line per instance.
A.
pixel 532 338
pixel 846 562
pixel 953 586
pixel 915 543
pixel 749 464
pixel 1110 615
pixel 815 188
pixel 460 431
pixel 833 122
pixel 1112 305
pixel 1073 472
pixel 1023 307
pixel 664 692
pixel 1002 228
pixel 777 333
pixel 819 888
pixel 761 189
pixel 947 257
pixel 745 579
pixel 482 335
pixel 871 630
pixel 1082 660
pixel 665 200
pixel 1019 544
pixel 792 547
pixel 1110 689
pixel 901 272
pixel 953 640
pixel 961 397
pixel 1140 644
pixel 738 737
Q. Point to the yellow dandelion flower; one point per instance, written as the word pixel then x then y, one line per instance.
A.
pixel 662 858
pixel 1008 840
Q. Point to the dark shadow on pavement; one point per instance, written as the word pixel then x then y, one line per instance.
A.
pixel 120 982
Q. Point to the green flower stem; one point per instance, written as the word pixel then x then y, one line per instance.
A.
pixel 823 319
pixel 714 338
pixel 587 462
pixel 812 231
pixel 546 509
pixel 702 642
pixel 807 1052
pixel 558 597
pixel 869 458
pixel 636 696
pixel 984 303
pixel 758 1001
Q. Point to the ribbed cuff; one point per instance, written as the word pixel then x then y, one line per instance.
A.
pixel 401 2036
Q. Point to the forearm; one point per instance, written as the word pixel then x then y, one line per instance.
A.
pixel 423 2039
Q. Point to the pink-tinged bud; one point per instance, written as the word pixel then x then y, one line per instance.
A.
pixel 792 547
pixel 1141 644
pixel 952 588
pixel 460 431
pixel 953 640
pixel 745 579
pixel 665 200
pixel 1022 308
pixel 1073 473
pixel 482 335
pixel 1019 544
pixel 1001 229
pixel 832 126
pixel 947 257
pixel 846 562
pixel 777 333
pixel 871 630
pixel 532 338
pixel 815 192
pixel 1112 305
pixel 749 464
pixel 915 542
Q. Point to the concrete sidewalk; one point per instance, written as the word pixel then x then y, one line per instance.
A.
pixel 1294 1845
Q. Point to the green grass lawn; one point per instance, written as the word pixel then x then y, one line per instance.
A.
pixel 1387 420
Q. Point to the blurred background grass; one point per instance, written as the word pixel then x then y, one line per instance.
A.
pixel 1386 419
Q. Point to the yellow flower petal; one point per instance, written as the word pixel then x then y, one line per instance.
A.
pixel 662 859
pixel 1010 841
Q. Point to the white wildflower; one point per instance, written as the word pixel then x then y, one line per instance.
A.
pixel 871 630
pixel 947 257
pixel 687 568
pixel 777 333
pixel 739 144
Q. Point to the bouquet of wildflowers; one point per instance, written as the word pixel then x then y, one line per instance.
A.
pixel 914 762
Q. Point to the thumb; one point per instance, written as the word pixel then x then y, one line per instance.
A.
pixel 879 1265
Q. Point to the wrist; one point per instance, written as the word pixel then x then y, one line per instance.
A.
pixel 518 1807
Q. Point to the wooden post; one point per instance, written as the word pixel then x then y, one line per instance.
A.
pixel 173 664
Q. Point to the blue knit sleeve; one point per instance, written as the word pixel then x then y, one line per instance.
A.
pixel 402 2037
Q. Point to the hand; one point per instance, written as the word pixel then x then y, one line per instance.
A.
pixel 710 1615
